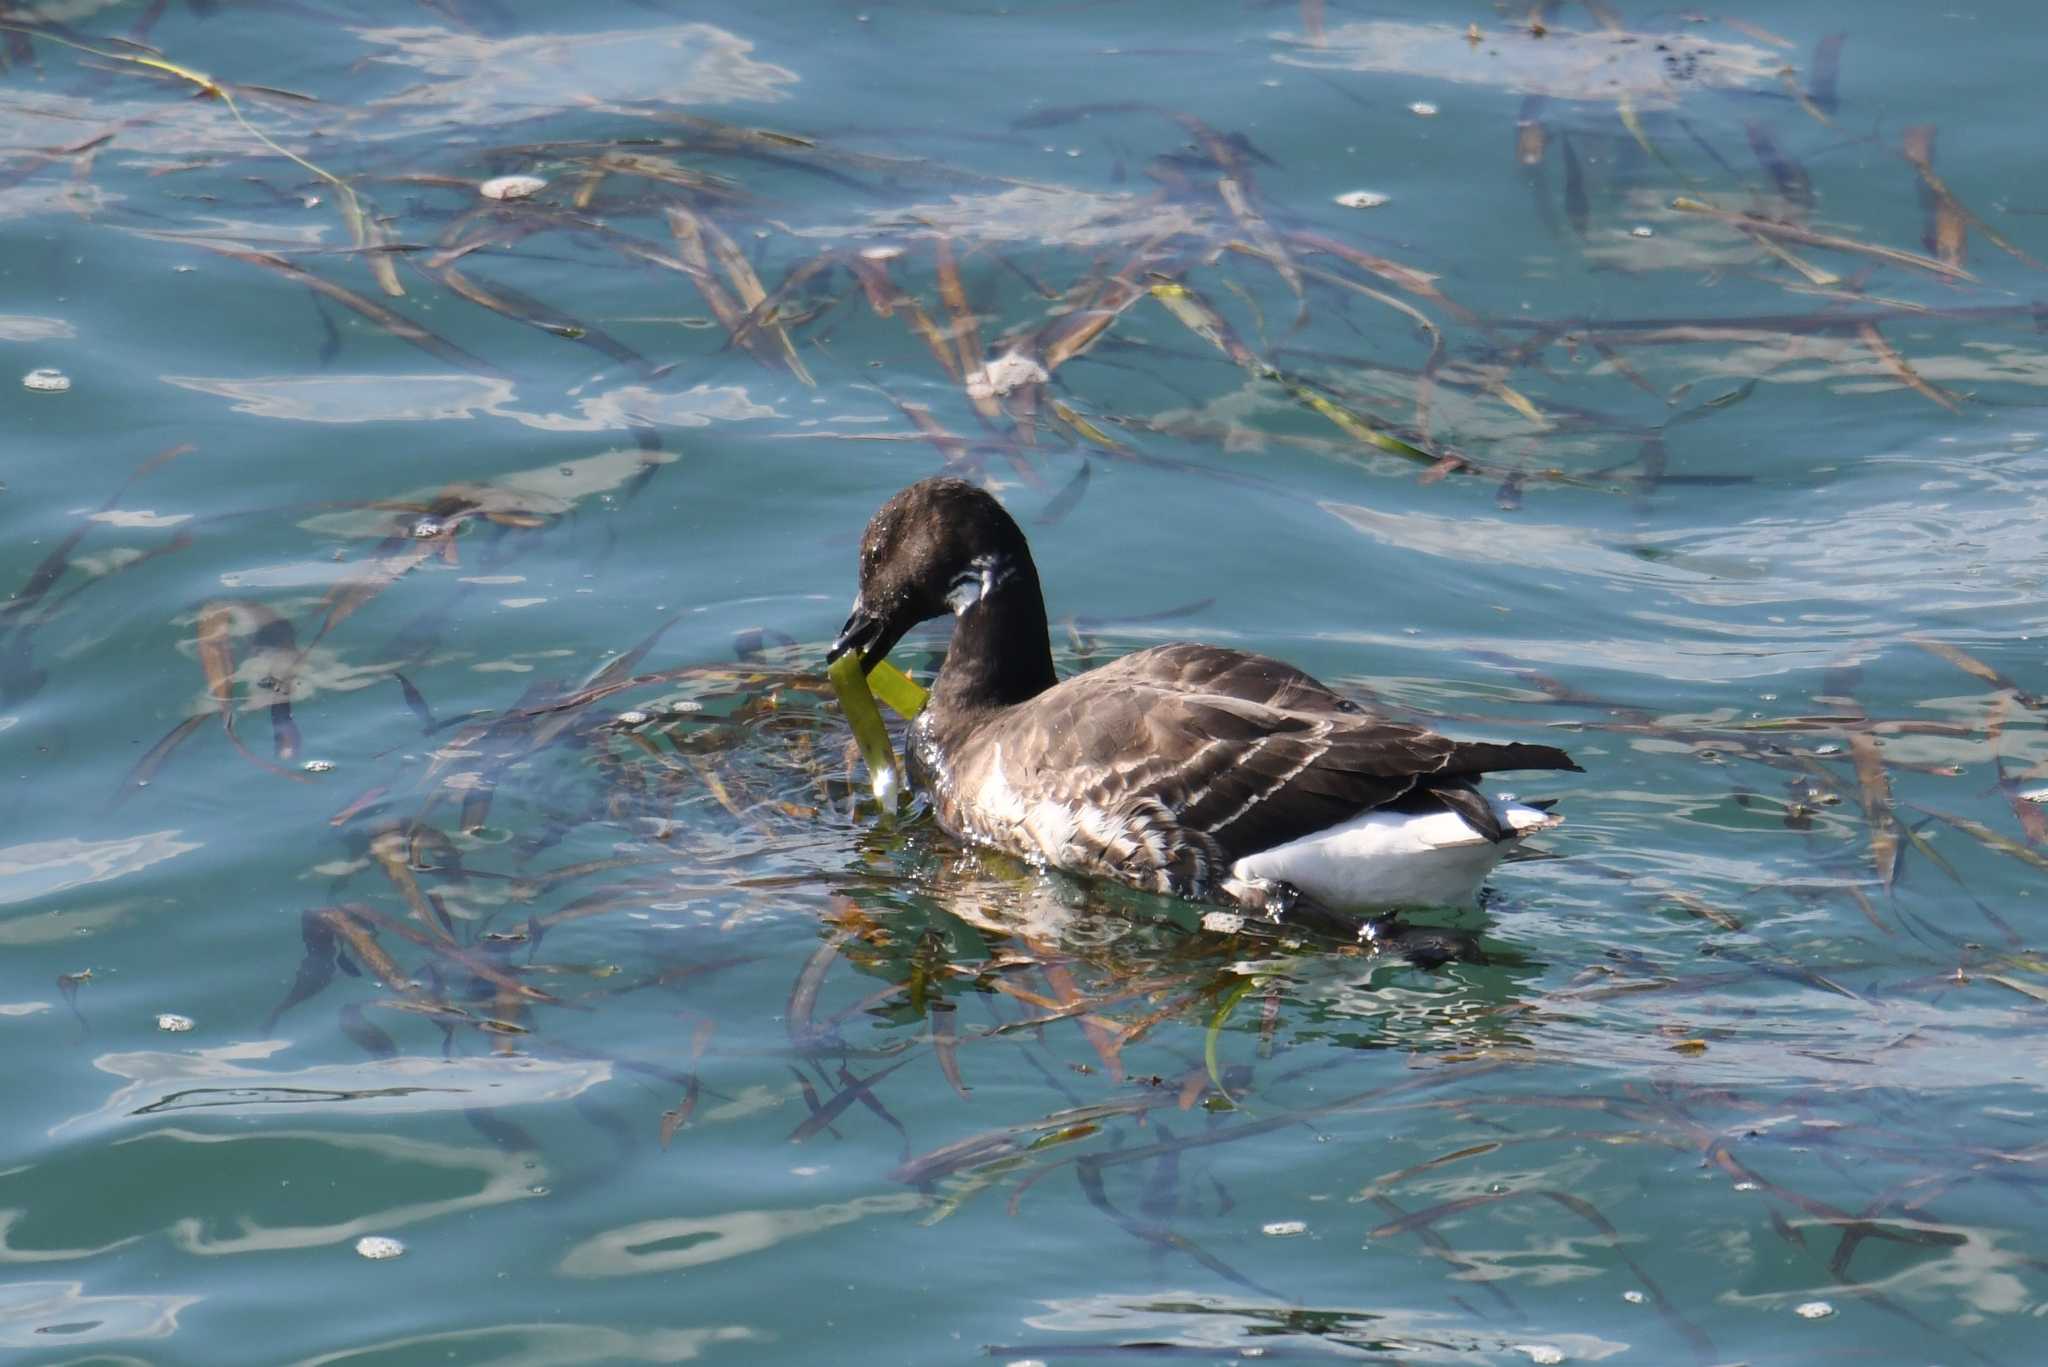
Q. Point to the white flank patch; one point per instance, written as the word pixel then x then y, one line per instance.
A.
pixel 1391 859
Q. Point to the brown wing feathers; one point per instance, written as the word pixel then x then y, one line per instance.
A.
pixel 1250 753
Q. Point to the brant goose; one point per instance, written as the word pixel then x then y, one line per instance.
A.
pixel 1189 770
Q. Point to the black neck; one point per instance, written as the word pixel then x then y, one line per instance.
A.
pixel 1001 652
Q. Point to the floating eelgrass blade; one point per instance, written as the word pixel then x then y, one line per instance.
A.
pixel 1625 107
pixel 1068 498
pixel 1952 219
pixel 1075 333
pixel 511 991
pixel 1793 232
pixel 217 659
pixel 1088 1171
pixel 1200 318
pixel 316 969
pixel 54 566
pixel 393 851
pixel 1087 430
pixel 1271 248
pixel 1814 274
pixel 361 939
pixel 1106 1042
pixel 1876 791
pixel 752 296
pixel 859 705
pixel 1794 186
pixel 1213 1037
pixel 966 332
pixel 393 322
pixel 768 311
pixel 946 1045
pixel 1707 407
pixel 688 230
pixel 1823 74
pixel 1989 838
pixel 524 308
pixel 2032 991
pixel 1416 282
pixel 824 1113
pixel 1977 669
pixel 400 556
pixel 665 172
pixel 1408 310
pixel 215 649
pixel 145 769
pixel 1901 367
pixel 363 231
pixel 958 454
pixel 1577 205
pixel 871 268
pixel 1350 422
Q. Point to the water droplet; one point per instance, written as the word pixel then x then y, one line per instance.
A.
pixel 1814 1310
pixel 1362 199
pixel 1642 230
pixel 1541 1352
pixel 318 766
pixel 1827 748
pixel 633 717
pixel 511 187
pixel 428 526
pixel 173 1023
pixel 379 1246
pixel 1422 109
pixel 1284 1229
pixel 1747 1186
pixel 1632 1297
pixel 44 380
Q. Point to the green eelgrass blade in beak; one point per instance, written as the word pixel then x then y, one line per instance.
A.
pixel 901 692
pixel 859 704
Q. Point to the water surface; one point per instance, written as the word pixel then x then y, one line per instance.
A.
pixel 533 912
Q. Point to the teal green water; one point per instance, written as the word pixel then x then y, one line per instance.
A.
pixel 640 1027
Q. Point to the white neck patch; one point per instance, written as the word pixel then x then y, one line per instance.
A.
pixel 983 576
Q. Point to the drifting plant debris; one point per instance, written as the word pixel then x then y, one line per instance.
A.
pixel 1039 360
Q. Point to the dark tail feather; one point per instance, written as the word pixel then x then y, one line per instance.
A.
pixel 1471 804
pixel 1483 757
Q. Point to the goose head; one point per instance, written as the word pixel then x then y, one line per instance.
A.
pixel 940 546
